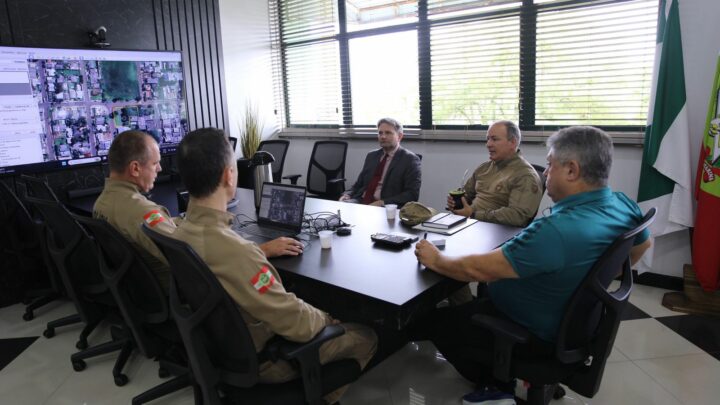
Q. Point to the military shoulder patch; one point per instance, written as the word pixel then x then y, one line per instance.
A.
pixel 263 280
pixel 153 218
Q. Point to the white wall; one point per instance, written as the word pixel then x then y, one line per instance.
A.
pixel 248 74
pixel 246 56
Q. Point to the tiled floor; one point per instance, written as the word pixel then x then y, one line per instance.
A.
pixel 660 357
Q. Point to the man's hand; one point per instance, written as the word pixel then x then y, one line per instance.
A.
pixel 427 253
pixel 282 247
pixel 465 211
pixel 344 197
pixel 378 203
pixel 450 203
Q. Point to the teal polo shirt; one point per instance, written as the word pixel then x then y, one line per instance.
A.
pixel 554 253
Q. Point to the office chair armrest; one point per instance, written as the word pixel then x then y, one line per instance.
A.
pixel 294 350
pixel 307 355
pixel 292 177
pixel 507 335
pixel 502 329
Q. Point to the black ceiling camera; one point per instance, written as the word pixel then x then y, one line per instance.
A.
pixel 98 38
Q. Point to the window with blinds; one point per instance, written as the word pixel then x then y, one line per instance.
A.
pixel 464 63
pixel 385 84
pixel 310 61
pixel 475 69
pixel 594 64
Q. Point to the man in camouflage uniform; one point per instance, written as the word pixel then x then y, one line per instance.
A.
pixel 505 190
pixel 134 160
pixel 207 168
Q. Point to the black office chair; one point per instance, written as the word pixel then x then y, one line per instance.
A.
pixel 144 308
pixel 541 172
pixel 221 352
pixel 77 263
pixel 326 170
pixel 19 247
pixel 37 187
pixel 585 337
pixel 278 148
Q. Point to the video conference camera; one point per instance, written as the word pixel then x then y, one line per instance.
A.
pixel 98 38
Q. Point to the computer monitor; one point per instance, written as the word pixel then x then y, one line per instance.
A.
pixel 60 108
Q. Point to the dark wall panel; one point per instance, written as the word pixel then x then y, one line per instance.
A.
pixel 5 31
pixel 193 27
pixel 65 23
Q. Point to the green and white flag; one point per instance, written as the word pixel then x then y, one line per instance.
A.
pixel 666 171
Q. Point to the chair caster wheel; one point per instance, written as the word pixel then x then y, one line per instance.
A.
pixel 163 373
pixel 28 316
pixel 559 392
pixel 49 332
pixel 79 365
pixel 121 380
pixel 81 344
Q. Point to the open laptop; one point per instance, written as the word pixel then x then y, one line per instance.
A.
pixel 282 207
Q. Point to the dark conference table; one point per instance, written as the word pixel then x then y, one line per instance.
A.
pixel 356 280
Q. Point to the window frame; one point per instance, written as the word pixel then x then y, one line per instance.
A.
pixel 528 12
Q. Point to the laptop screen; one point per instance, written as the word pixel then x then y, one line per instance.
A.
pixel 282 205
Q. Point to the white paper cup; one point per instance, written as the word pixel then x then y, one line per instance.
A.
pixel 325 239
pixel 390 210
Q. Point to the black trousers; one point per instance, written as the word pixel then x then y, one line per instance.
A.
pixel 453 333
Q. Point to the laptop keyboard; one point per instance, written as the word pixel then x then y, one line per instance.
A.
pixel 254 229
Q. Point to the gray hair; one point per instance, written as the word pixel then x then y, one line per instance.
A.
pixel 591 147
pixel 513 131
pixel 392 122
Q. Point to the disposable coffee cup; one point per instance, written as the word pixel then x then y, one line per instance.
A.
pixel 390 210
pixel 325 239
pixel 457 196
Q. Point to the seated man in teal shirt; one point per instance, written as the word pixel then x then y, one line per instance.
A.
pixel 532 276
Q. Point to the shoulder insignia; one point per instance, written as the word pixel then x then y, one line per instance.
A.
pixel 153 218
pixel 263 280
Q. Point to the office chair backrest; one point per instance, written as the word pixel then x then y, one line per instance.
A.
pixel 278 148
pixel 541 172
pixel 37 187
pixel 19 243
pixel 132 283
pixel 593 313
pixel 40 228
pixel 20 232
pixel 217 340
pixel 327 162
pixel 73 255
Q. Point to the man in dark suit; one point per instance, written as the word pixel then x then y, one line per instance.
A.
pixel 391 174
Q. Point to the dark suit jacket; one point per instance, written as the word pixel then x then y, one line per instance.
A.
pixel 402 180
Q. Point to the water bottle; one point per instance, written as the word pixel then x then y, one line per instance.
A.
pixel 262 172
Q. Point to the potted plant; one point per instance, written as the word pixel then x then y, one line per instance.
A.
pixel 250 135
pixel 250 131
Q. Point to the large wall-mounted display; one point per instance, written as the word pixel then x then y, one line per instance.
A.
pixel 63 107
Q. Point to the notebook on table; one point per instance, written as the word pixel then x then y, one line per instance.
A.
pixel 282 207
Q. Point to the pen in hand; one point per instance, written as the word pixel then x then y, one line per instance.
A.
pixel 425 238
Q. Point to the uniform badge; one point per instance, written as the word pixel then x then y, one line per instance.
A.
pixel 153 218
pixel 263 280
